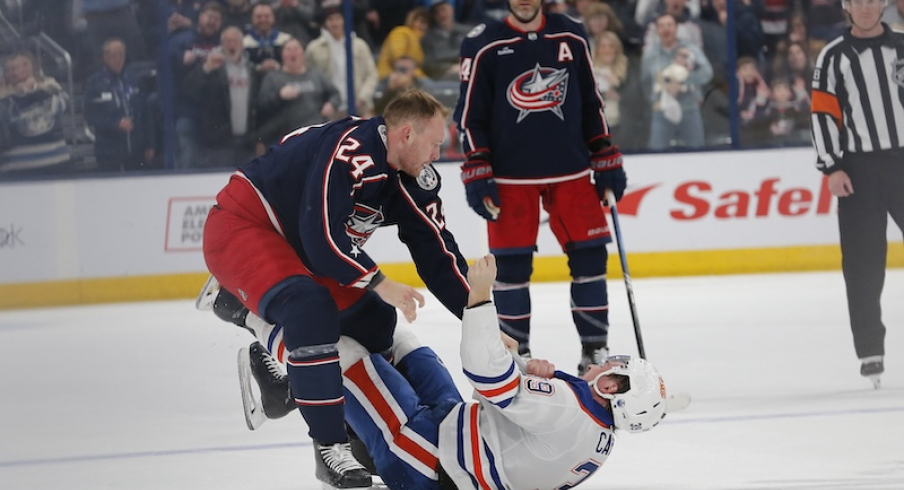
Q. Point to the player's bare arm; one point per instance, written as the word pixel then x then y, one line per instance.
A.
pixel 481 276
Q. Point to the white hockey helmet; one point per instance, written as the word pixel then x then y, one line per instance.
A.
pixel 642 406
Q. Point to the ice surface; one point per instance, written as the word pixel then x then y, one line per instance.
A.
pixel 145 396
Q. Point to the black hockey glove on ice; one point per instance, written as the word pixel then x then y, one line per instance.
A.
pixel 606 162
pixel 480 186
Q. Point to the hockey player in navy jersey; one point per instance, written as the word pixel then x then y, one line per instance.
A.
pixel 539 428
pixel 286 235
pixel 533 129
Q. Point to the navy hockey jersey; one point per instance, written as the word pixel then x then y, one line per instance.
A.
pixel 530 98
pixel 330 187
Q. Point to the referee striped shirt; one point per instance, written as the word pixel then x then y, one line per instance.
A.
pixel 858 97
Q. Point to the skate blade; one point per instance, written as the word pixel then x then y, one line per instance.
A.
pixel 877 382
pixel 677 402
pixel 208 294
pixel 254 412
pixel 375 486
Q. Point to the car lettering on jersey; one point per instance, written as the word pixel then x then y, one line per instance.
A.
pixel 538 386
pixel 539 89
pixel 604 445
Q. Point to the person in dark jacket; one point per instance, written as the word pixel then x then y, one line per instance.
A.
pixel 226 85
pixel 117 111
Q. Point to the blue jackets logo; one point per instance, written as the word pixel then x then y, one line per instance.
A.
pixel 538 90
pixel 362 223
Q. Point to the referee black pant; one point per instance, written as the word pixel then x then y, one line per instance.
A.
pixel 878 182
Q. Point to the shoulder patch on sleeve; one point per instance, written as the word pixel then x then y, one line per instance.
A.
pixel 477 30
pixel 428 179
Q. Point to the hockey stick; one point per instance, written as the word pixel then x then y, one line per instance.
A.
pixel 675 402
pixel 629 287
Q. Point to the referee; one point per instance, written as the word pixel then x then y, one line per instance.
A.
pixel 858 132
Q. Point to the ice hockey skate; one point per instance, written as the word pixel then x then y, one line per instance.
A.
pixel 272 398
pixel 592 354
pixel 872 367
pixel 208 294
pixel 337 467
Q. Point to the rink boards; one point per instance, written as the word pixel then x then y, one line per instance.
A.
pixel 139 238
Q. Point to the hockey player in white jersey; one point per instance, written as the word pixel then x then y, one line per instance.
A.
pixel 538 429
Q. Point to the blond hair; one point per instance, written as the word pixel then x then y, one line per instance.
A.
pixel 412 106
pixel 619 66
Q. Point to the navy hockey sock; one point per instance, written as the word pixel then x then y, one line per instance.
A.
pixel 589 295
pixel 512 296
pixel 316 381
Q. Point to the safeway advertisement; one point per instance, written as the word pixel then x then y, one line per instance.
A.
pixel 726 200
pixel 703 201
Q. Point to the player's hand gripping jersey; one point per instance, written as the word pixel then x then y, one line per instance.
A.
pixel 327 188
pixel 530 99
pixel 533 433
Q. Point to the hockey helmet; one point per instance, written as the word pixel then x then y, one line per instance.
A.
pixel 642 406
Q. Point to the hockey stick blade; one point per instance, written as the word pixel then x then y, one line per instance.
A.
pixel 677 402
pixel 254 412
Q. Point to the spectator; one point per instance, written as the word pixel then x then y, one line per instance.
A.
pixel 403 77
pixel 894 15
pixel 112 18
pixel 237 13
pixel 297 18
pixel 442 42
pixel 328 54
pixel 404 40
pixel 610 68
pixel 189 48
pixel 227 86
pixel 599 18
pixel 714 27
pixel 799 32
pixel 775 22
pixel 31 113
pixel 293 97
pixel 826 19
pixel 753 91
pixel 182 14
pixel 386 15
pixel 124 136
pixel 475 12
pixel 674 95
pixel 647 11
pixel 688 27
pixel 264 43
pixel 578 8
pixel 795 66
pixel 786 117
pixel 555 7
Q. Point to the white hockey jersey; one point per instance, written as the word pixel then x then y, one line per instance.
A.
pixel 524 432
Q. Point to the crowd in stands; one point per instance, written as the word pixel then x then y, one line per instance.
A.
pixel 244 72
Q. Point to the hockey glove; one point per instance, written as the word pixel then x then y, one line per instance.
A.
pixel 606 162
pixel 480 186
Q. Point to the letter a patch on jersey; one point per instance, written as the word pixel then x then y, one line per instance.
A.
pixel 538 90
pixel 565 53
